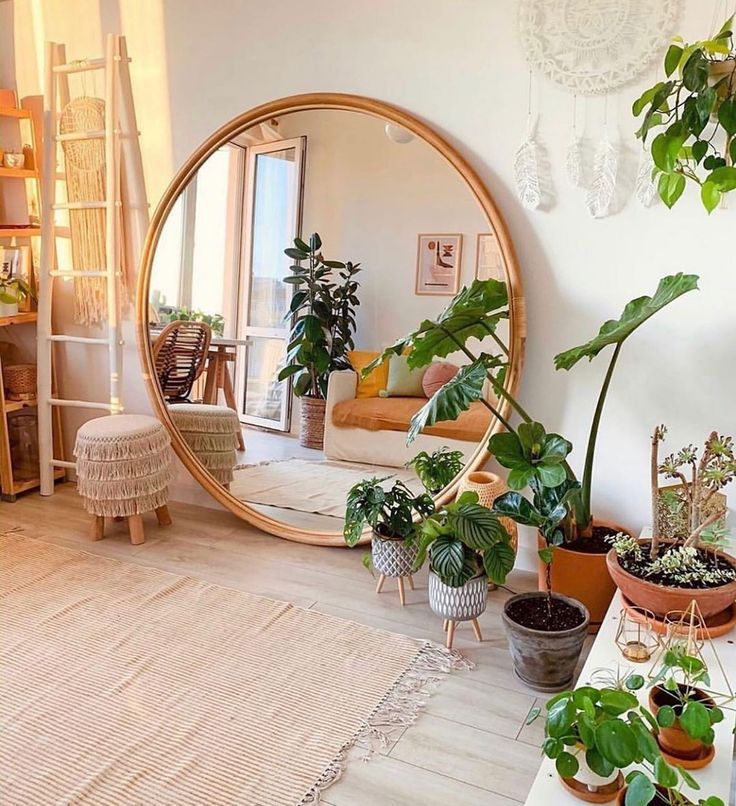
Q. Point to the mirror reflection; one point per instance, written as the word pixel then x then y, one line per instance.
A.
pixel 300 250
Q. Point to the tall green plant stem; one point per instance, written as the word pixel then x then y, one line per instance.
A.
pixel 585 527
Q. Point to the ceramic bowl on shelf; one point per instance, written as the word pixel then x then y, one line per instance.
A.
pixel 14 159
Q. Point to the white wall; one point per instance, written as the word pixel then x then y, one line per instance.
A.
pixel 458 66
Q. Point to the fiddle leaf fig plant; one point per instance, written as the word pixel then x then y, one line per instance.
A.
pixel 694 112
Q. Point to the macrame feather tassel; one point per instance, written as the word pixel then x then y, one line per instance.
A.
pixel 526 174
pixel 603 184
pixel 646 190
pixel 574 163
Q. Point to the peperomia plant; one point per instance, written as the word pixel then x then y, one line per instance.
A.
pixel 465 539
pixel 389 512
pixel 323 317
pixel 694 111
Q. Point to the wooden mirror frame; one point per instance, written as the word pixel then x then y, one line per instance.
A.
pixel 262 114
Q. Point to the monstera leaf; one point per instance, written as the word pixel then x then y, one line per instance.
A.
pixel 532 455
pixel 473 313
pixel 615 331
pixel 451 399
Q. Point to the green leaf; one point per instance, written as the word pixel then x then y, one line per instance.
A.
pixel 451 399
pixel 598 764
pixel 634 315
pixel 585 693
pixel 699 149
pixel 688 779
pixel 727 115
pixel 724 178
pixel 666 716
pixel 663 154
pixel 533 714
pixel 616 742
pixel 640 790
pixel 447 555
pixel 670 187
pixel 672 59
pixel 586 727
pixel 498 562
pixel 546 555
pixel 704 104
pixel 513 505
pixel 560 718
pixel 477 526
pixel 634 682
pixel 710 196
pixel 694 720
pixel 566 765
pixel 295 254
pixel 695 72
pixel 616 702
pixel 552 747
pixel 648 747
pixel 666 776
pixel 715 715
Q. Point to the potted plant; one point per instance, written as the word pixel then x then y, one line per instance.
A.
pixel 474 313
pixel 684 710
pixel 391 515
pixel 698 93
pixel 12 291
pixel 545 630
pixel 664 575
pixel 437 469
pixel 641 790
pixel 214 321
pixel 322 312
pixel 466 545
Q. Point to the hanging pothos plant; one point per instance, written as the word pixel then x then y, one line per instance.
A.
pixel 694 111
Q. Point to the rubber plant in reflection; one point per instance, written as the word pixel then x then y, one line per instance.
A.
pixel 560 506
pixel 322 312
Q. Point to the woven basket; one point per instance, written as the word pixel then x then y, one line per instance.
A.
pixel 488 487
pixel 20 381
pixel 312 431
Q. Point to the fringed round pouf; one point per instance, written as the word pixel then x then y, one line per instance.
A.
pixel 124 470
pixel 212 434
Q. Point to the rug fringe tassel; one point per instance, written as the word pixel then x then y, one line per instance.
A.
pixel 399 709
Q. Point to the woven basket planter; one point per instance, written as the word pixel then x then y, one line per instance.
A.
pixel 393 556
pixel 20 381
pixel 312 430
pixel 458 604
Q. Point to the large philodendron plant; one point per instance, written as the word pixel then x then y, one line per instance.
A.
pixel 694 111
pixel 534 457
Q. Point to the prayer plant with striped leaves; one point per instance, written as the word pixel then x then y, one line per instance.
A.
pixel 560 505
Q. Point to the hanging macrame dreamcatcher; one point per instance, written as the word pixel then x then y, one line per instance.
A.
pixel 85 181
pixel 591 48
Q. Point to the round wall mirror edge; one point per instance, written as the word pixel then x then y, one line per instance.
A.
pixel 262 114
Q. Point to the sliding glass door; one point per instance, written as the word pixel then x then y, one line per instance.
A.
pixel 273 200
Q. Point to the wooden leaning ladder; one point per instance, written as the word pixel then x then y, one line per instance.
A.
pixel 125 196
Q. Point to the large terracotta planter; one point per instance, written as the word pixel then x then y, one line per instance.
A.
pixel 583 577
pixel 673 740
pixel 660 599
pixel 545 661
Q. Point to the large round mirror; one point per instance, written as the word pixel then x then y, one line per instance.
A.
pixel 296 244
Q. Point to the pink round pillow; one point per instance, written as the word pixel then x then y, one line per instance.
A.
pixel 437 375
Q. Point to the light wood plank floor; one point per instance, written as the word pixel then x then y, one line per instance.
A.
pixel 468 747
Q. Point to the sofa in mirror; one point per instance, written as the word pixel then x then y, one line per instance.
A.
pixel 299 242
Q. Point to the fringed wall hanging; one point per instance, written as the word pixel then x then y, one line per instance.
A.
pixel 85 182
pixel 527 163
pixel 593 47
pixel 646 189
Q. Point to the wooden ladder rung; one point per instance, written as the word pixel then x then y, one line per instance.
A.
pixel 96 134
pixel 79 273
pixel 63 463
pixel 80 404
pixel 79 339
pixel 80 66
pixel 83 205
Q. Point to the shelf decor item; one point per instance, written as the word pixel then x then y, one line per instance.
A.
pixel 689 119
pixel 390 513
pixel 20 381
pixel 635 634
pixel 322 313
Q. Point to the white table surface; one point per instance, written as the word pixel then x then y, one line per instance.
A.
pixel 715 779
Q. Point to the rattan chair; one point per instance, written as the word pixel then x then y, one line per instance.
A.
pixel 180 354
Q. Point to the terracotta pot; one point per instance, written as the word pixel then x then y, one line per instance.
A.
pixel 583 577
pixel 660 599
pixel 659 800
pixel 674 740
pixel 545 661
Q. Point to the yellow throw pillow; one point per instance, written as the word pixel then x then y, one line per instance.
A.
pixel 376 380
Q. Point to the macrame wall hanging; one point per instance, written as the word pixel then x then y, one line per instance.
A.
pixel 85 181
pixel 592 48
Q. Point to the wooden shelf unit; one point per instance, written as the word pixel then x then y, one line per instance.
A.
pixel 10 485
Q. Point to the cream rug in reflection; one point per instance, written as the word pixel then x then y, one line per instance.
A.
pixel 307 486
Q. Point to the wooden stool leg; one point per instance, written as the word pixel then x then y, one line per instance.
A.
pixel 135 527
pixel 97 528
pixel 476 629
pixel 411 581
pixel 118 518
pixel 163 516
pixel 445 624
pixel 381 580
pixel 451 633
pixel 402 595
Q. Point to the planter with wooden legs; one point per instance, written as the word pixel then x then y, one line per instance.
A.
pixel 393 557
pixel 464 603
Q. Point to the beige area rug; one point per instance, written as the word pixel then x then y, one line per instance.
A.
pixel 281 484
pixel 129 686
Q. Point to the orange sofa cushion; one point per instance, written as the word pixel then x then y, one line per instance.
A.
pixel 395 413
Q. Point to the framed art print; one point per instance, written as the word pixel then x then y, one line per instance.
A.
pixel 489 264
pixel 439 260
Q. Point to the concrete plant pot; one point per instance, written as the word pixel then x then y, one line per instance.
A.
pixel 393 556
pixel 458 604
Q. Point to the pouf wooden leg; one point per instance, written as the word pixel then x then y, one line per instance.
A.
pixel 97 527
pixel 163 516
pixel 135 527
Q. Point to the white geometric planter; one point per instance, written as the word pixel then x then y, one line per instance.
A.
pixel 458 604
pixel 393 557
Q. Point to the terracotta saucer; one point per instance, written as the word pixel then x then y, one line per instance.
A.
pixel 720 624
pixel 605 794
pixel 703 760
